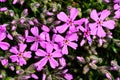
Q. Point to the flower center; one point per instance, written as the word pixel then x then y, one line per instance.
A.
pixel 99 22
pixel 86 33
pixel 37 38
pixel 70 22
pixel 48 55
pixel 65 41
pixel 20 54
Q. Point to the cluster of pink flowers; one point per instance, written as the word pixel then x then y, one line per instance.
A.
pixel 52 48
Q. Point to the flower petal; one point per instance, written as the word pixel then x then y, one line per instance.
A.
pixel 34 46
pixel 62 28
pixel 56 53
pixel 14 50
pixel 40 52
pixel 62 16
pixel 49 48
pixel 40 64
pixel 80 21
pixel 2 36
pixel 73 13
pixel 101 32
pixel 73 37
pixel 53 63
pixel 94 15
pixel 93 28
pixel 73 45
pixel 110 24
pixel 30 39
pixel 59 38
pixel 27 54
pixel 65 49
pixel 104 14
pixel 14 58
pixel 22 47
pixel 62 61
pixel 35 31
pixel 22 61
pixel 4 45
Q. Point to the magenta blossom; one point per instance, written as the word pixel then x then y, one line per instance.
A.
pixel 37 39
pixel 69 20
pixel 86 33
pixel 67 41
pixel 67 76
pixel 19 54
pixel 97 26
pixel 48 55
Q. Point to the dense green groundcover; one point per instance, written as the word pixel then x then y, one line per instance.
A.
pixel 109 51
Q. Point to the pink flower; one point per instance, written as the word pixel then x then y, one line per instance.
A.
pixel 19 54
pixel 86 33
pixel 96 28
pixel 69 20
pixel 37 39
pixel 67 41
pixel 48 55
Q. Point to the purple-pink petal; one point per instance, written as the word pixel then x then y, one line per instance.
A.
pixel 40 64
pixel 40 52
pixel 56 54
pixel 14 50
pixel 73 37
pixel 73 13
pixel 62 16
pixel 94 15
pixel 34 46
pixel 104 14
pixel 27 54
pixel 14 58
pixel 110 24
pixel 53 63
pixel 73 45
pixel 62 28
pixel 22 47
pixel 35 31
pixel 22 61
pixel 30 39
pixel 4 45
pixel 65 49
pixel 59 38
pixel 101 32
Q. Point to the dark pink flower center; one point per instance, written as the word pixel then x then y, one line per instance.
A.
pixel 65 41
pixel 70 22
pixel 20 54
pixel 37 39
pixel 48 55
pixel 86 33
pixel 99 22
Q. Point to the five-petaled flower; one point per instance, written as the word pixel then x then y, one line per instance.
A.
pixel 19 54
pixel 48 55
pixel 37 38
pixel 67 41
pixel 69 20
